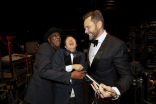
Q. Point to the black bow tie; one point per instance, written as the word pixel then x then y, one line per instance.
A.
pixel 69 52
pixel 95 42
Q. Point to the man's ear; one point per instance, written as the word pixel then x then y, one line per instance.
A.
pixel 99 24
pixel 48 40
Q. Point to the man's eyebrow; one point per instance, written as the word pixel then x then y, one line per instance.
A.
pixel 86 26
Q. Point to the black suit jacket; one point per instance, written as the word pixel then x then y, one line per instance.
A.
pixel 40 87
pixel 111 66
pixel 62 91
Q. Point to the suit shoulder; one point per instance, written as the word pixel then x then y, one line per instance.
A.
pixel 43 46
pixel 117 43
pixel 116 40
pixel 81 53
pixel 60 50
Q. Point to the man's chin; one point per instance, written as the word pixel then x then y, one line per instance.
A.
pixel 57 46
pixel 90 38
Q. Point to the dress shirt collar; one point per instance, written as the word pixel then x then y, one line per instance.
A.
pixel 69 52
pixel 102 37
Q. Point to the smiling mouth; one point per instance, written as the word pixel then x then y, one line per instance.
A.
pixel 71 43
pixel 90 35
pixel 57 41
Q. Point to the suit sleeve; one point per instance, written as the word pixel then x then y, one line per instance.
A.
pixel 44 63
pixel 58 61
pixel 84 64
pixel 122 65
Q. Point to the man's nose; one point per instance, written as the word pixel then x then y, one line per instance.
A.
pixel 86 31
pixel 58 37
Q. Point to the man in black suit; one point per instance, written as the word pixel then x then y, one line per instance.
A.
pixel 107 59
pixel 40 87
pixel 67 60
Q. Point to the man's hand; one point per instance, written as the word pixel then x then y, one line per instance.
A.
pixel 78 74
pixel 106 93
pixel 77 67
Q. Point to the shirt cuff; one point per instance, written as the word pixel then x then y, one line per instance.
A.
pixel 117 92
pixel 68 68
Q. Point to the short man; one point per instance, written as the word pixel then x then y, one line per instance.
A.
pixel 107 59
pixel 67 60
pixel 40 88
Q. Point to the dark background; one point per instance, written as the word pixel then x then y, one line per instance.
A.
pixel 29 21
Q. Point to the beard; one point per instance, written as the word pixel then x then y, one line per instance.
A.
pixel 94 33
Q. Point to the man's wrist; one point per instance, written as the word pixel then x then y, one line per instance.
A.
pixel 115 96
pixel 69 68
pixel 117 93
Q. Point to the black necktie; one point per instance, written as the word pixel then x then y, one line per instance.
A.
pixel 69 52
pixel 95 42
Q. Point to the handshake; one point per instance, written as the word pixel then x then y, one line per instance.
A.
pixel 77 74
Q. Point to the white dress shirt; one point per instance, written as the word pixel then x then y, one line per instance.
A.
pixel 92 52
pixel 69 69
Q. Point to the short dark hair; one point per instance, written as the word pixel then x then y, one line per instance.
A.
pixel 67 37
pixel 95 16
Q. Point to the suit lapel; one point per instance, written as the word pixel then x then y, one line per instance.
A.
pixel 67 59
pixel 88 55
pixel 99 54
pixel 76 60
